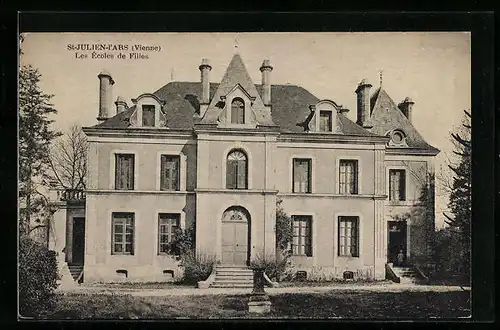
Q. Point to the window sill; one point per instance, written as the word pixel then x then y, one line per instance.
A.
pixel 162 192
pixel 348 257
pixel 400 203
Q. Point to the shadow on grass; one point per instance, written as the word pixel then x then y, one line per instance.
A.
pixel 357 305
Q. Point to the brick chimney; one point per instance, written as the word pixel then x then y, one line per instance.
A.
pixel 106 83
pixel 406 107
pixel 121 104
pixel 266 69
pixel 363 92
pixel 205 69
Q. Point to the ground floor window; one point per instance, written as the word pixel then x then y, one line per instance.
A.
pixel 348 236
pixel 167 227
pixel 301 244
pixel 123 233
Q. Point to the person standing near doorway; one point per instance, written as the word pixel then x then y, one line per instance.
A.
pixel 400 258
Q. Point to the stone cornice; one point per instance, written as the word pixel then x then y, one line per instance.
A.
pixel 340 196
pixel 323 137
pixel 138 132
pixel 237 191
pixel 412 151
pixel 214 130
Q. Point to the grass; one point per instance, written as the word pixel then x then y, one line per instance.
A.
pixel 141 285
pixel 330 283
pixel 394 305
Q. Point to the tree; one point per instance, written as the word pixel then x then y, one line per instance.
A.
pixel 284 231
pixel 460 196
pixel 35 137
pixel 68 159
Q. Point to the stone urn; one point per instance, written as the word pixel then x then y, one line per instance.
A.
pixel 259 301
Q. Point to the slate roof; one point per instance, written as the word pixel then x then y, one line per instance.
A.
pixel 289 108
pixel 386 116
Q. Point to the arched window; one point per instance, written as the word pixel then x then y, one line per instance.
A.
pixel 236 170
pixel 237 111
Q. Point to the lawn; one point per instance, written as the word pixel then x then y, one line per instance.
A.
pixel 348 304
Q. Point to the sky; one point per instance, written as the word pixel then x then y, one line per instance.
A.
pixel 432 68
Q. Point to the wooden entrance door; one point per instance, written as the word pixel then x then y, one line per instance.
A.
pixel 397 240
pixel 78 249
pixel 235 237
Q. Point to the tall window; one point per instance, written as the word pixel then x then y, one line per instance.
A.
pixel 167 227
pixel 325 121
pixel 170 173
pixel 301 243
pixel 301 175
pixel 238 111
pixel 348 244
pixel 148 115
pixel 123 233
pixel 348 177
pixel 236 170
pixel 397 185
pixel 124 171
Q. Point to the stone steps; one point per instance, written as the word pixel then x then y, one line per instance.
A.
pixel 407 275
pixel 75 271
pixel 232 277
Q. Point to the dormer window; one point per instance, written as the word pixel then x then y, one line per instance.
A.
pixel 148 112
pixel 325 121
pixel 397 138
pixel 237 111
pixel 148 115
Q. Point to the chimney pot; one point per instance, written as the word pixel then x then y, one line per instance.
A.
pixel 121 104
pixel 266 69
pixel 106 83
pixel 205 69
pixel 406 107
pixel 363 92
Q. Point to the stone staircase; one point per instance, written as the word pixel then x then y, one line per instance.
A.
pixel 232 277
pixel 407 275
pixel 75 271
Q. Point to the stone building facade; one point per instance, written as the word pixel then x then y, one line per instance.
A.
pixel 220 155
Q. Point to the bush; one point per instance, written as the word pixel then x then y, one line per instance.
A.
pixel 277 267
pixel 37 278
pixel 197 267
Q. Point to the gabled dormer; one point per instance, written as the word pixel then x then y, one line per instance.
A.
pixel 236 102
pixel 148 112
pixel 324 117
pixel 237 105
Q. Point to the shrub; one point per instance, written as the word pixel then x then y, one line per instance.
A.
pixel 184 242
pixel 37 278
pixel 197 267
pixel 277 267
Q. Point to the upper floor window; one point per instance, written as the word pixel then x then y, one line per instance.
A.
pixel 348 233
pixel 301 175
pixel 301 243
pixel 238 111
pixel 124 171
pixel 325 121
pixel 348 177
pixel 148 115
pixel 167 228
pixel 236 170
pixel 170 173
pixel 397 185
pixel 123 233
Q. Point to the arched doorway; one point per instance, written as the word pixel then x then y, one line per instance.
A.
pixel 235 236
